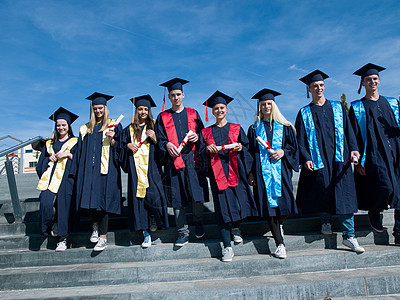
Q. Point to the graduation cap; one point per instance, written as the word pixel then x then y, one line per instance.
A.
pixel 216 98
pixel 174 84
pixel 64 114
pixel 367 70
pixel 316 75
pixel 266 94
pixel 99 98
pixel 144 100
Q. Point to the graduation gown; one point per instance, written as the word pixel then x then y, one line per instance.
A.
pixel 290 162
pixel 330 189
pixel 155 202
pixel 64 197
pixel 234 203
pixel 180 185
pixel 380 188
pixel 94 190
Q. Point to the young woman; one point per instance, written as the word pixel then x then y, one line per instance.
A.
pixel 98 179
pixel 228 170
pixel 56 186
pixel 138 158
pixel 271 174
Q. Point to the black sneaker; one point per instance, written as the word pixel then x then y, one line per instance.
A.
pixel 375 221
pixel 182 240
pixel 199 230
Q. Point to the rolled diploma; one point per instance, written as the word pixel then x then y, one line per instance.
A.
pixel 63 148
pixel 229 146
pixel 113 125
pixel 143 138
pixel 185 140
pixel 354 160
pixel 265 144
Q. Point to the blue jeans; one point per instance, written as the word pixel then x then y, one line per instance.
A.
pixel 346 223
pixel 180 217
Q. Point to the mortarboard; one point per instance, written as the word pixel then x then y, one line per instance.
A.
pixel 174 84
pixel 367 70
pixel 144 100
pixel 99 99
pixel 64 114
pixel 316 75
pixel 216 98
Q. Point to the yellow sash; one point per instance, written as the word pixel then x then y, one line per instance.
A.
pixel 105 149
pixel 141 158
pixel 54 184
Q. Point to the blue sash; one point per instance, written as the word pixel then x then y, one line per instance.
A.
pixel 271 170
pixel 359 112
pixel 312 137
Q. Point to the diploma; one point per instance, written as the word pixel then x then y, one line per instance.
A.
pixel 226 147
pixel 143 138
pixel 265 144
pixel 354 160
pixel 184 142
pixel 115 124
pixel 63 148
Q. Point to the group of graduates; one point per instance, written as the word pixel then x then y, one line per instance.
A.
pixel 343 158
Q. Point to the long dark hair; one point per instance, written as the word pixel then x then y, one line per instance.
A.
pixel 149 123
pixel 57 135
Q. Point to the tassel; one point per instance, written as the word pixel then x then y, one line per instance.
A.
pixel 308 94
pixel 52 137
pixel 359 89
pixel 163 102
pixel 133 116
pixel 206 112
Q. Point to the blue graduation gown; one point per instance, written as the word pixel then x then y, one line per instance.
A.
pixel 182 184
pixel 93 189
pixel 234 203
pixel 380 188
pixel 63 197
pixel 330 189
pixel 290 162
pixel 155 202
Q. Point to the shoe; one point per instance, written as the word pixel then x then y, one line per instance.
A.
pixel 147 241
pixel 153 223
pixel 352 243
pixel 326 228
pixel 237 237
pixel 94 238
pixel 397 240
pixel 282 232
pixel 101 245
pixel 61 246
pixel 280 251
pixel 182 240
pixel 227 254
pixel 199 230
pixel 54 230
pixel 375 221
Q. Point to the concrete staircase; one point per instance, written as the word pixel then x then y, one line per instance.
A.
pixel 317 266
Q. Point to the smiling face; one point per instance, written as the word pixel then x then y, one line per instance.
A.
pixel 371 83
pixel 219 111
pixel 317 89
pixel 266 107
pixel 176 97
pixel 99 111
pixel 143 112
pixel 62 127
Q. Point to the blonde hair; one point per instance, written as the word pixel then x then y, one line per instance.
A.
pixel 275 115
pixel 92 122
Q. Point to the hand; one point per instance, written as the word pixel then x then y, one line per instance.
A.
pixel 63 155
pixel 360 170
pixel 53 157
pixel 356 154
pixel 277 154
pixel 193 137
pixel 133 147
pixel 110 133
pixel 250 179
pixel 172 150
pixel 238 147
pixel 151 134
pixel 309 165
pixel 212 148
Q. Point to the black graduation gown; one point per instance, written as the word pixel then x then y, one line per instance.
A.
pixel 179 183
pixel 93 189
pixel 234 203
pixel 286 203
pixel 155 202
pixel 380 188
pixel 330 189
pixel 65 196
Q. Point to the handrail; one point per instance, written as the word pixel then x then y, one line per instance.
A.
pixel 19 146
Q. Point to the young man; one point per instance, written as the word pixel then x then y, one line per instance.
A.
pixel 183 181
pixel 375 120
pixel 326 144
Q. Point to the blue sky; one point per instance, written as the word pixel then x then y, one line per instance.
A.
pixel 56 53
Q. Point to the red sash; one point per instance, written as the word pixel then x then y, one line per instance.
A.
pixel 169 126
pixel 216 164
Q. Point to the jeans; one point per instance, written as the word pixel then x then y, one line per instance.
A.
pixel 180 217
pixel 346 223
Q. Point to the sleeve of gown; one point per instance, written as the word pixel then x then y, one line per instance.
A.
pixel 76 158
pixel 291 148
pixel 162 139
pixel 116 148
pixel 304 154
pixel 251 135
pixel 43 162
pixel 246 156
pixel 123 150
pixel 356 130
pixel 349 132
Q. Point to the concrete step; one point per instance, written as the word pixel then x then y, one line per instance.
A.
pixel 303 275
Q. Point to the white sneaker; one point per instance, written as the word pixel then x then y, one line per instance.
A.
pixel 62 246
pixel 280 251
pixel 237 237
pixel 147 241
pixel 282 232
pixel 227 254
pixel 101 245
pixel 352 243
pixel 94 238
pixel 326 228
